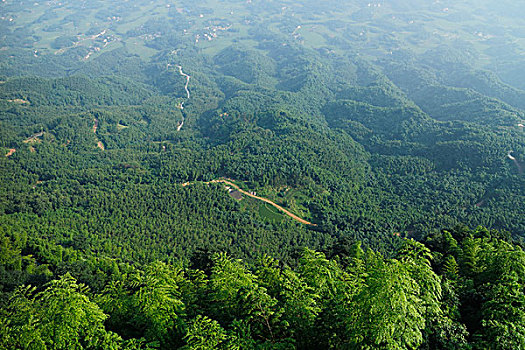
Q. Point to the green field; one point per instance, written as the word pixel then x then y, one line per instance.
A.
pixel 269 212
pixel 372 29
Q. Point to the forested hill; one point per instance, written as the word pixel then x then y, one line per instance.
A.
pixel 378 123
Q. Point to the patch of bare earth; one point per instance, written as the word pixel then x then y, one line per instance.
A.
pixel 19 101
pixel 34 138
pixel 37 183
pixel 100 145
pixel 11 152
pixel 253 195
pixel 121 127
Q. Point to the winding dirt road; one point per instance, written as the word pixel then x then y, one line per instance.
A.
pixel 187 81
pixel 292 215
pixel 181 107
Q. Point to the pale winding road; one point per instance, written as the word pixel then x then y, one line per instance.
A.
pixel 290 214
pixel 187 93
pixel 187 81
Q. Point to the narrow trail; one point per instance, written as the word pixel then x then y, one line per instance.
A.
pixel 290 214
pixel 182 121
pixel 100 144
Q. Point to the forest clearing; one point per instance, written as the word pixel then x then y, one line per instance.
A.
pixel 288 213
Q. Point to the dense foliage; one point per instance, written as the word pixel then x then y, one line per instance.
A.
pixel 377 122
pixel 462 289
